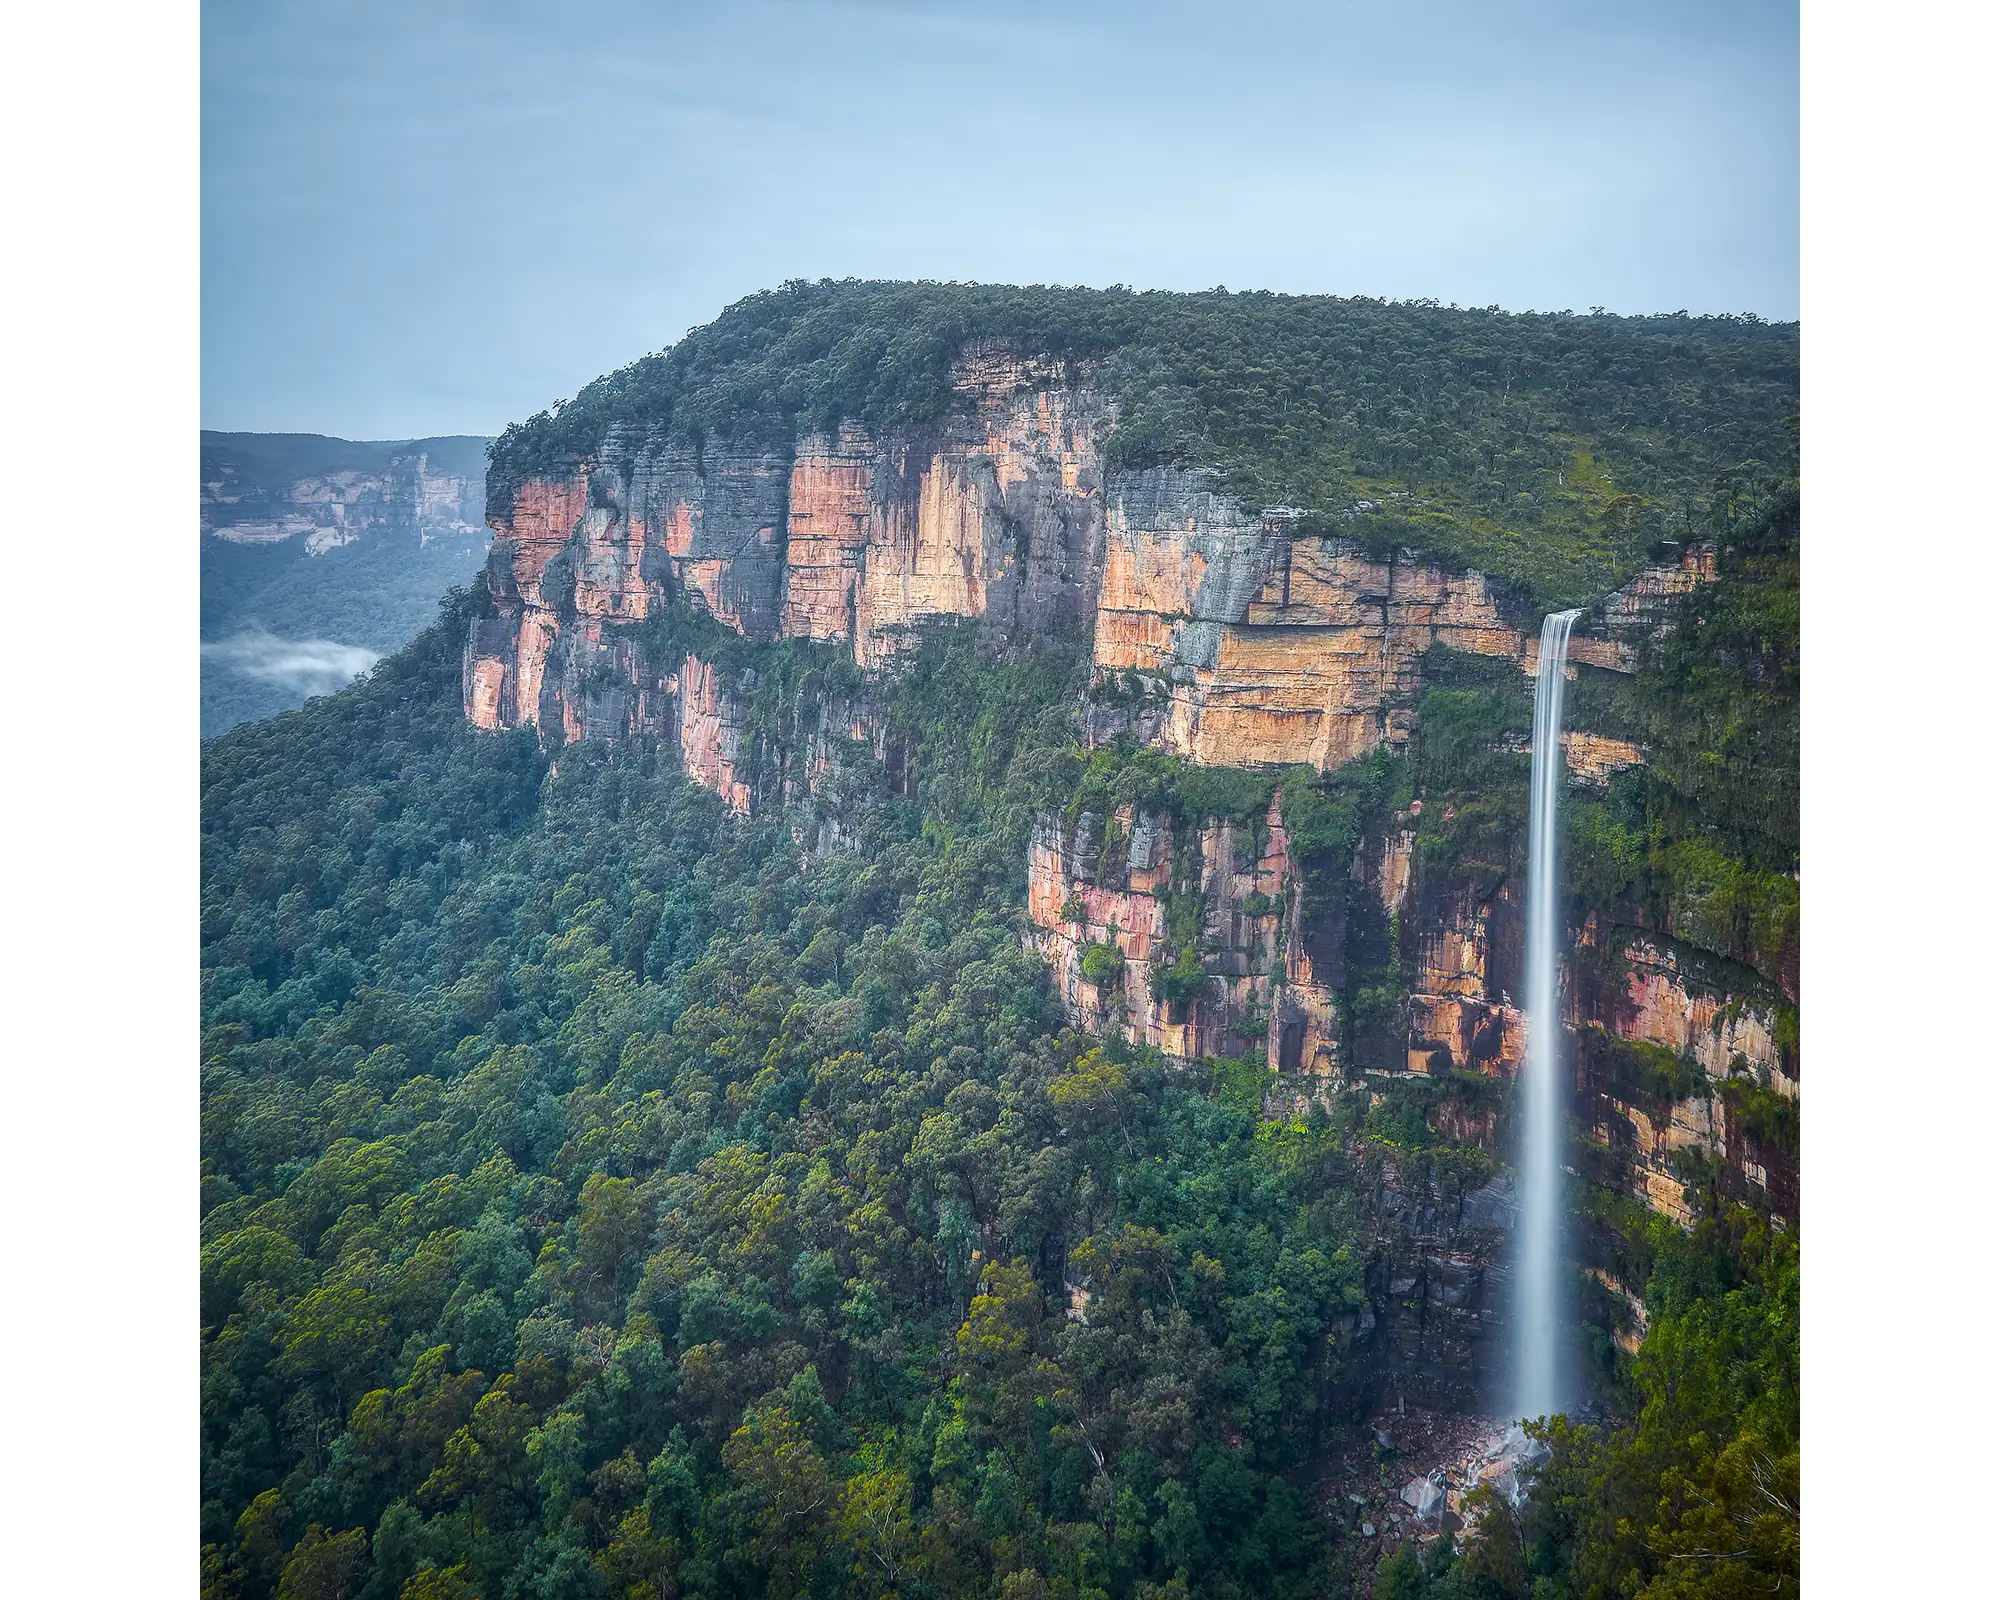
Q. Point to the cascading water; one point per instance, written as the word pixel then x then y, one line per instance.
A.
pixel 1540 1378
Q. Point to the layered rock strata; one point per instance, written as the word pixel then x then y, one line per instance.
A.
pixel 1722 1023
pixel 1256 644
pixel 993 513
pixel 1250 642
pixel 1273 648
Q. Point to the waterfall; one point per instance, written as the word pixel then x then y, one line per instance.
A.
pixel 1541 1334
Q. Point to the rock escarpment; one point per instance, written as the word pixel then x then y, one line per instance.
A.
pixel 853 538
pixel 994 514
pixel 1433 1333
pixel 1228 636
pixel 1249 642
pixel 1106 884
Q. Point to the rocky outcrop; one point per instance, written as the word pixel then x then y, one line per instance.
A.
pixel 1245 640
pixel 1260 645
pixel 1107 884
pixel 1593 757
pixel 710 732
pixel 1709 1033
pixel 1432 1334
pixel 994 515
pixel 1273 647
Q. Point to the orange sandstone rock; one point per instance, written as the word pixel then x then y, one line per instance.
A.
pixel 711 734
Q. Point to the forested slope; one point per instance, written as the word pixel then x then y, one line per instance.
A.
pixel 600 1202
pixel 597 1203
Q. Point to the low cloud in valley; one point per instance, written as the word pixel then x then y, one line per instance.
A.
pixel 304 666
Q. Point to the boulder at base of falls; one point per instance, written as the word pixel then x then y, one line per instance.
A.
pixel 1513 1463
pixel 1425 1497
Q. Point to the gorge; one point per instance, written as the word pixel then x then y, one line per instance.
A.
pixel 318 555
pixel 952 941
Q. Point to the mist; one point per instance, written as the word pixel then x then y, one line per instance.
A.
pixel 302 666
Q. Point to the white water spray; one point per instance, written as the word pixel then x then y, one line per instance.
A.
pixel 1540 1379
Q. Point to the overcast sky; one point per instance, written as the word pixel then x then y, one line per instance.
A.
pixel 437 216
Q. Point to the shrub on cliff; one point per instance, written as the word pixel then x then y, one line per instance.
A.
pixel 1102 966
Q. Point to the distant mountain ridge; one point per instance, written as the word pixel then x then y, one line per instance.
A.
pixel 319 554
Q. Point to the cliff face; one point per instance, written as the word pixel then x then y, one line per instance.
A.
pixel 1261 647
pixel 995 514
pixel 1250 644
pixel 1227 636
pixel 1723 1026
pixel 992 514
pixel 1433 1332
pixel 1278 981
pixel 1270 649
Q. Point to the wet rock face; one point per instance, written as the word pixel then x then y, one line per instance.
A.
pixel 713 521
pixel 1432 1334
pixel 1466 940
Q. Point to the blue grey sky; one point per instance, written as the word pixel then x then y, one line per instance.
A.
pixel 437 216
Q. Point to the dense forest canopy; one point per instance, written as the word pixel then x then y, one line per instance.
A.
pixel 599 1200
pixel 1551 449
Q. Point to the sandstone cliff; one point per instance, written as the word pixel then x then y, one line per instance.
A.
pixel 1225 635
pixel 1251 642
pixel 852 539
pixel 1106 882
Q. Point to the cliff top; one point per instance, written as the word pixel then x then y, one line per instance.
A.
pixel 1552 449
